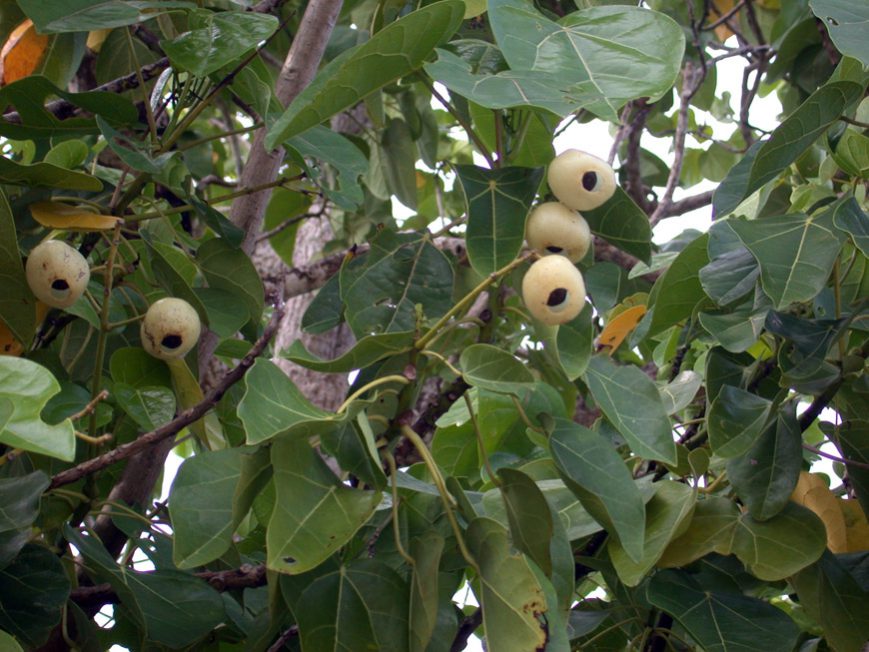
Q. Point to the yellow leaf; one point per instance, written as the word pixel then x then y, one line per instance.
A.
pixel 856 526
pixel 812 492
pixel 620 326
pixel 21 53
pixel 56 215
pixel 721 7
pixel 96 39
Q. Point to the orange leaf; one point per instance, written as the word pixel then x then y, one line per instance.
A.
pixel 620 326
pixel 812 492
pixel 9 344
pixel 56 215
pixel 21 53
pixel 856 526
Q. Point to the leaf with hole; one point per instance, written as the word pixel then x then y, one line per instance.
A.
pixel 315 514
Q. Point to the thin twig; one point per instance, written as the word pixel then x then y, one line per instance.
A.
pixel 184 419
pixel 691 80
pixel 836 458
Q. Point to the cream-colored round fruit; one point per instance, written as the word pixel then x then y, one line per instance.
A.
pixel 580 181
pixel 553 290
pixel 57 273
pixel 170 329
pixel 553 228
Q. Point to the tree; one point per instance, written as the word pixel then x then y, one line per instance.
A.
pixel 640 477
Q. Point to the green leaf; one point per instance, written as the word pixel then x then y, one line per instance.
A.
pixel 847 22
pixel 711 529
pixel 29 386
pixel 575 342
pixel 678 393
pixel 150 407
pixel 528 513
pixel 354 447
pixel 597 475
pixel 732 271
pixel 781 546
pixel 667 515
pixel 201 506
pixel 736 419
pixel 133 153
pixel 393 52
pixel 315 514
pixel 216 221
pixel 133 367
pixel 400 271
pixel 767 474
pixel 498 201
pixel 8 643
pixel 217 39
pixel 423 606
pixel 363 606
pixel 272 406
pixel 29 97
pixel 796 254
pixel 763 162
pixel 512 600
pixel 47 175
pixel 168 264
pixel 17 303
pixel 19 497
pixel 228 268
pixel 852 153
pixel 326 309
pixel 623 224
pixel 509 88
pixel 87 15
pixel 725 622
pixel 488 367
pixel 678 291
pixel 33 591
pixel 632 403
pixel 323 144
pixel 399 153
pixel 602 54
pixel 735 331
pixel 850 218
pixel 365 352
pixel 173 607
pixel 835 601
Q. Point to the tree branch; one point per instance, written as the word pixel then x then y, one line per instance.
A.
pixel 691 80
pixel 469 626
pixel 688 204
pixel 184 419
pixel 634 186
pixel 246 576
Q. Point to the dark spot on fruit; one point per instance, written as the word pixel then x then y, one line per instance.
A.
pixel 60 284
pixel 171 341
pixel 589 180
pixel 556 297
pixel 554 250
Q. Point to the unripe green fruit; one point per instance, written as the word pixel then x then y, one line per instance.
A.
pixel 56 273
pixel 553 290
pixel 553 228
pixel 170 329
pixel 580 181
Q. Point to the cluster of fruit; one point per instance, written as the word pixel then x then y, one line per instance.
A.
pixel 553 288
pixel 58 275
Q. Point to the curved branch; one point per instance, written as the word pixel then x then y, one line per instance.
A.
pixel 184 419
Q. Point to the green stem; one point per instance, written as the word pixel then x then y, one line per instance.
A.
pixel 481 446
pixel 438 480
pixel 396 530
pixel 469 298
pixel 393 378
pixel 104 326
